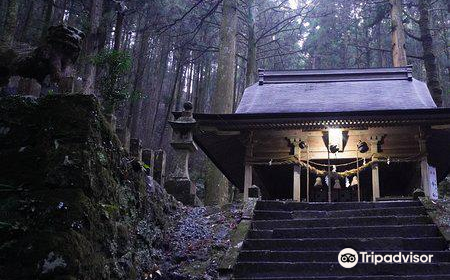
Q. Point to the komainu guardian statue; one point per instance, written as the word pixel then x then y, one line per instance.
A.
pixel 55 57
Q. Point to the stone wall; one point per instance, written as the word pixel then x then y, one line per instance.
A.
pixel 72 204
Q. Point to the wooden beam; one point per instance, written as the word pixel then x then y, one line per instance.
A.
pixel 297 183
pixel 375 182
pixel 374 141
pixel 425 178
pixel 248 179
pixel 248 169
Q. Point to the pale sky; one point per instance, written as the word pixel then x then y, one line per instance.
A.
pixel 293 4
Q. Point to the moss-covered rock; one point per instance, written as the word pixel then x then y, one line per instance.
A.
pixel 71 205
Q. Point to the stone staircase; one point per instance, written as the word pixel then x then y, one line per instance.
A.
pixel 292 240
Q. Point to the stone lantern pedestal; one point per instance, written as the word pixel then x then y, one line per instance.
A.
pixel 179 184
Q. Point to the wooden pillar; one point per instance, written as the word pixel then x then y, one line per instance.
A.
pixel 424 175
pixel 374 140
pixel 296 186
pixel 375 182
pixel 248 179
pixel 248 168
pixel 297 182
pixel 425 180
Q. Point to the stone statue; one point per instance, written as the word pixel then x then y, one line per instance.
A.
pixel 55 57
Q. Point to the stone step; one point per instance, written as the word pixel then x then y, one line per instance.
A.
pixel 320 256
pixel 287 215
pixel 289 269
pixel 325 206
pixel 366 277
pixel 339 222
pixel 421 230
pixel 359 244
pixel 292 240
pixel 359 232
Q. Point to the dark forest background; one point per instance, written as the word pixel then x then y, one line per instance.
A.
pixel 145 58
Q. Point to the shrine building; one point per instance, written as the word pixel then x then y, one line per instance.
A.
pixel 331 135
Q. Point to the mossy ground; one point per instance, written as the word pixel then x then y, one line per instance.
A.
pixel 200 240
pixel 439 211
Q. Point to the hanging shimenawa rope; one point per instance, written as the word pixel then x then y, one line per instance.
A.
pixel 346 173
pixel 293 159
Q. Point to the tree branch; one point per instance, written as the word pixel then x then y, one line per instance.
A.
pixel 384 50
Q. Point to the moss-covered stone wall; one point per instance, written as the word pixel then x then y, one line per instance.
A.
pixel 72 205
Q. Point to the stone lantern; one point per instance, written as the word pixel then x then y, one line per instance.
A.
pixel 179 184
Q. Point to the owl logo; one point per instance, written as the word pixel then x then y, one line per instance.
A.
pixel 348 258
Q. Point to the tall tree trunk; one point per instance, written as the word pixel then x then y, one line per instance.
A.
pixel 428 53
pixel 160 75
pixel 174 93
pixel 157 87
pixel 58 12
pixel 27 21
pixel 95 14
pixel 196 83
pixel 447 54
pixel 105 27
pixel 118 30
pixel 72 19
pixel 120 17
pixel 380 45
pixel 136 105
pixel 49 10
pixel 398 34
pixel 222 103
pixel 368 52
pixel 9 28
pixel 251 74
pixel 204 88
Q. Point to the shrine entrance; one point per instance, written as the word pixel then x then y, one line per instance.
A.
pixel 315 173
pixel 331 135
pixel 397 181
pixel 276 183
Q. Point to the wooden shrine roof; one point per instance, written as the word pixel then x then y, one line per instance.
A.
pixel 320 99
pixel 344 90
pixel 319 120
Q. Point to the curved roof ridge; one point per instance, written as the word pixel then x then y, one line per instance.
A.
pixel 334 75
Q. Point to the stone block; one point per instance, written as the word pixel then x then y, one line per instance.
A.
pixel 159 167
pixel 254 192
pixel 183 191
pixel 148 159
pixel 112 120
pixel 136 148
pixel 66 85
pixel 28 87
pixel 124 136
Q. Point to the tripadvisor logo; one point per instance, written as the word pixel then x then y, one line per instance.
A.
pixel 348 258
